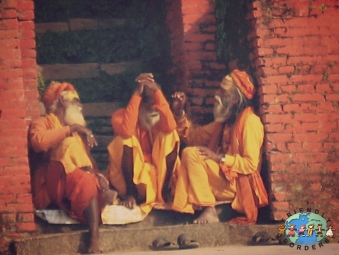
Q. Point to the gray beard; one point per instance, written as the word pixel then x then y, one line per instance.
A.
pixel 73 115
pixel 221 110
pixel 148 119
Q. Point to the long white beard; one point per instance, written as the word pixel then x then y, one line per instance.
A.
pixel 148 119
pixel 73 115
pixel 221 110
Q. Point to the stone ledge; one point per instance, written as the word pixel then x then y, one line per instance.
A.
pixel 77 24
pixel 86 70
pixel 69 71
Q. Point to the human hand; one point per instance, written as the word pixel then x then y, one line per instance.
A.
pixel 178 104
pixel 146 79
pixel 81 130
pixel 209 154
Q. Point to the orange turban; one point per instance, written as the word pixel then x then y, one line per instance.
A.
pixel 53 92
pixel 242 80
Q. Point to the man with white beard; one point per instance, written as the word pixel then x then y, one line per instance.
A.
pixel 223 159
pixel 64 175
pixel 144 152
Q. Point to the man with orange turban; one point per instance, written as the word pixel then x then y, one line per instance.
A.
pixel 64 174
pixel 144 153
pixel 222 162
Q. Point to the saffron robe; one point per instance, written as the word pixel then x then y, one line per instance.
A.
pixel 240 182
pixel 57 179
pixel 150 149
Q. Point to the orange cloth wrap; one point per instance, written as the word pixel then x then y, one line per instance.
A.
pixel 242 80
pixel 58 180
pixel 53 92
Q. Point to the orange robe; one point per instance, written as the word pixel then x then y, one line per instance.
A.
pixel 57 179
pixel 150 149
pixel 241 182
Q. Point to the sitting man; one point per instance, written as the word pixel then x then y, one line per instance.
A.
pixel 64 174
pixel 225 161
pixel 144 151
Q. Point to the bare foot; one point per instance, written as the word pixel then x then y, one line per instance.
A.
pixel 208 215
pixel 129 202
pixel 109 196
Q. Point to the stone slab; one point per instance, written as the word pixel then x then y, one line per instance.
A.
pixel 100 109
pixel 69 71
pixel 51 26
pixel 79 24
pixel 116 68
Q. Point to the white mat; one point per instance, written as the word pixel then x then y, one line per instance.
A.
pixel 111 215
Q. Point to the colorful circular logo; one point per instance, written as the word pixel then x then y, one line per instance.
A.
pixel 306 228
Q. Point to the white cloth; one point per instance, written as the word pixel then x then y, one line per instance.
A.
pixel 111 215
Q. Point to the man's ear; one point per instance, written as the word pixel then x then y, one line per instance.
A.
pixel 62 101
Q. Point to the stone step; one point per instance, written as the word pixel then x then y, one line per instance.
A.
pixel 77 24
pixel 73 239
pixel 85 70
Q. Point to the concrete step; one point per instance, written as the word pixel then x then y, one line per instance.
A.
pixel 72 239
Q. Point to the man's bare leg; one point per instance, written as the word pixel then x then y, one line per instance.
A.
pixel 208 215
pixel 170 161
pixel 127 170
pixel 91 214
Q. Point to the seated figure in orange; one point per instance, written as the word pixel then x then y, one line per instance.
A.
pixel 222 159
pixel 144 152
pixel 64 175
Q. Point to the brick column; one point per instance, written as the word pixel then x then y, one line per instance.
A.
pixel 16 209
pixel 296 60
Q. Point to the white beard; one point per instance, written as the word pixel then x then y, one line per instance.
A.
pixel 73 115
pixel 221 110
pixel 148 119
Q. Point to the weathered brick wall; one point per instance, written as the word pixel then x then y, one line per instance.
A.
pixel 17 105
pixel 296 59
pixel 195 39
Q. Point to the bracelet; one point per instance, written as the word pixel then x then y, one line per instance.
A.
pixel 222 160
pixel 182 115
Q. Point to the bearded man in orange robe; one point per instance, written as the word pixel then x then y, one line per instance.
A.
pixel 144 152
pixel 223 159
pixel 64 175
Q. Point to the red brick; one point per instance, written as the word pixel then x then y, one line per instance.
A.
pixel 282 196
pixel 27 44
pixel 275 128
pixel 27 25
pixel 279 215
pixel 8 218
pixel 9 54
pixel 307 97
pixel 26 15
pixel 310 157
pixel 286 69
pixel 28 53
pixel 20 207
pixel 8 34
pixel 280 206
pixel 198 18
pixel 294 147
pixel 9 24
pixel 25 5
pixel 26 217
pixel 277 118
pixel 278 167
pixel 23 227
pixel 8 14
pixel 279 158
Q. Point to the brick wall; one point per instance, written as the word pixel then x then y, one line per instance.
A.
pixel 296 57
pixel 18 103
pixel 297 68
pixel 194 52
